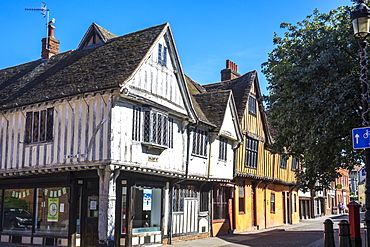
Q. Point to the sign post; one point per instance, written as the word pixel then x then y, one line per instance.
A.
pixel 361 138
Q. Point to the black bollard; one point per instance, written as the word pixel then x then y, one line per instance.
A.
pixel 328 233
pixel 344 234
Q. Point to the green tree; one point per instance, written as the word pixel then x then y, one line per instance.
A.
pixel 315 94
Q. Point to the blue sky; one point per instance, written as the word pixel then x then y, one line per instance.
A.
pixel 206 32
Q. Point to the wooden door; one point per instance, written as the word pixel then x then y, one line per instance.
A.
pixel 90 213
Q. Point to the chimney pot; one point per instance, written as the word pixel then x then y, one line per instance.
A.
pixel 50 45
pixel 231 71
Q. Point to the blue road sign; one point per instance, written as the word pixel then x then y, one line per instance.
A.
pixel 361 138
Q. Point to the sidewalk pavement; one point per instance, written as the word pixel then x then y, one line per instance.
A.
pixel 236 240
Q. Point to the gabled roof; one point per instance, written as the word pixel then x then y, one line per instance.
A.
pixel 194 88
pixel 95 35
pixel 214 105
pixel 211 107
pixel 75 72
pixel 240 86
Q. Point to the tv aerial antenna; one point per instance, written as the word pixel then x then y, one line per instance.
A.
pixel 45 12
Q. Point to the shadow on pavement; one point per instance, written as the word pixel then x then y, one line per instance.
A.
pixel 276 238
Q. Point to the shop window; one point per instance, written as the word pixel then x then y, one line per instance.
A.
pixel 18 210
pixel 272 203
pixel 148 204
pixel 220 203
pixel 241 197
pixel 251 153
pixel 200 142
pixel 53 209
pixel 39 126
pixel 223 149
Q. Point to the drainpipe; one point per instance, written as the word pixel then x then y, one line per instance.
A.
pixel 290 217
pixel 173 183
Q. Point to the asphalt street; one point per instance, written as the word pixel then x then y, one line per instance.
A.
pixel 307 233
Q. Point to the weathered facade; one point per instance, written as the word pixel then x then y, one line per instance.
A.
pixel 264 193
pixel 105 146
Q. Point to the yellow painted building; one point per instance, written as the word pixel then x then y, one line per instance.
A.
pixel 264 193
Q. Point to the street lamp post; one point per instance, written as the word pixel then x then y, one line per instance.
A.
pixel 360 18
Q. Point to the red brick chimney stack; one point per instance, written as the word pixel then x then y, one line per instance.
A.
pixel 231 71
pixel 50 45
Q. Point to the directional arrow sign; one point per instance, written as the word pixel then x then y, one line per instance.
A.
pixel 361 138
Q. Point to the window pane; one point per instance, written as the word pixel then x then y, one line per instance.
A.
pixel 28 135
pixel 159 129
pixel 252 105
pixel 43 125
pixel 159 53
pixel 50 124
pixel 148 210
pixel 147 126
pixel 36 124
pixel 164 61
pixel 154 127
pixel 53 209
pixel 18 210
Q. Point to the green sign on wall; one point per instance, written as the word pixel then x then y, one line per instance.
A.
pixel 53 209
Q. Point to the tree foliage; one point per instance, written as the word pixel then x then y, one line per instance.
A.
pixel 314 94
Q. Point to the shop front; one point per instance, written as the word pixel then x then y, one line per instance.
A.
pixel 141 211
pixel 35 213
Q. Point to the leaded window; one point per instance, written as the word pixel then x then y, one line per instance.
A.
pixel 223 149
pixel 180 192
pixel 136 123
pixel 252 105
pixel 155 128
pixel 251 153
pixel 162 55
pixel 170 132
pixel 200 142
pixel 39 126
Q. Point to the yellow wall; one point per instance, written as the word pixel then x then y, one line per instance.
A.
pixel 269 178
pixel 244 221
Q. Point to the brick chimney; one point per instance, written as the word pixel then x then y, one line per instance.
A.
pixel 231 71
pixel 50 45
